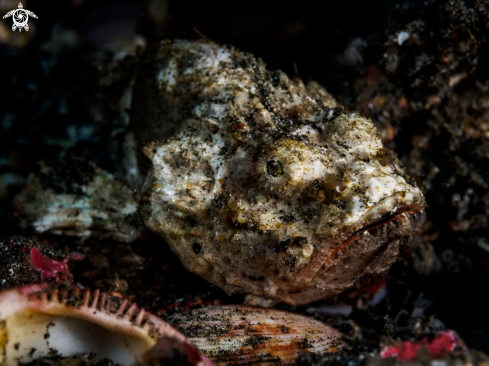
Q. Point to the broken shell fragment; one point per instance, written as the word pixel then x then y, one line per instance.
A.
pixel 243 335
pixel 39 321
pixel 77 198
pixel 172 351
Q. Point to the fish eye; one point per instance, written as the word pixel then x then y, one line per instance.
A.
pixel 197 248
pixel 275 168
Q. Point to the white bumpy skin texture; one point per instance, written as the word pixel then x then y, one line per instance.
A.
pixel 263 185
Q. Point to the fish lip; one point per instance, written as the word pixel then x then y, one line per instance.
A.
pixel 390 205
pixel 389 216
pixel 349 233
pixel 382 217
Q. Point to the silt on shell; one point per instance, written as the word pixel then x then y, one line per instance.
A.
pixel 261 184
pixel 245 335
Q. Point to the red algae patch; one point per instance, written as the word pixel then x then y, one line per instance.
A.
pixel 445 342
pixel 50 269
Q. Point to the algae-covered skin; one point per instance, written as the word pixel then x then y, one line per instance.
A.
pixel 263 185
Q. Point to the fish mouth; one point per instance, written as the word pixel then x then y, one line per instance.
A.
pixel 412 212
pixel 399 211
pixel 369 249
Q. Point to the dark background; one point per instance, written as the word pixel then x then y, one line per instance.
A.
pixel 428 97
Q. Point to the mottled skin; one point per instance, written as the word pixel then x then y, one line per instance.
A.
pixel 263 185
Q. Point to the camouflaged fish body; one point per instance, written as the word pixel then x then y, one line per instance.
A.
pixel 263 185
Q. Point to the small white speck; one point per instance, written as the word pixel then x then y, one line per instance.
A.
pixel 402 37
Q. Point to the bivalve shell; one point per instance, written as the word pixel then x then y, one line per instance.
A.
pixel 243 335
pixel 39 321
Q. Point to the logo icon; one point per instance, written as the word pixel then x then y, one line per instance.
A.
pixel 20 17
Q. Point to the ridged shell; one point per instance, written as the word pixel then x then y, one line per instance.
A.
pixel 243 335
pixel 38 321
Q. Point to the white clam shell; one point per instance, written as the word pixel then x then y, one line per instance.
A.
pixel 36 321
